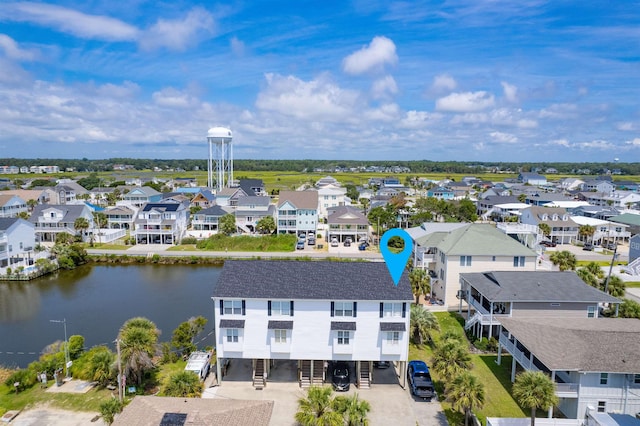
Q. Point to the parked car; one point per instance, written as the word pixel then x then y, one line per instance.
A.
pixel 300 245
pixel 334 242
pixel 420 382
pixel 381 364
pixel 311 241
pixel 547 243
pixel 347 243
pixel 588 247
pixel 611 246
pixel 363 246
pixel 340 378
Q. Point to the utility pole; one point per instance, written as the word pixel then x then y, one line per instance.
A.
pixel 67 359
pixel 120 381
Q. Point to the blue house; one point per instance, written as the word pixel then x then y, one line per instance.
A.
pixel 532 178
pixel 441 193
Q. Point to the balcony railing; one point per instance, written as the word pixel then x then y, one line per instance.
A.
pixel 517 354
pixel 567 390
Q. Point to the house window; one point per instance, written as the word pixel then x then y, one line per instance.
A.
pixel 343 337
pixel 602 406
pixel 232 335
pixel 280 336
pixel 465 260
pixel 393 337
pixel 604 378
pixel 343 309
pixel 591 311
pixel 280 307
pixel 636 379
pixel 518 261
pixel 232 307
pixel 392 309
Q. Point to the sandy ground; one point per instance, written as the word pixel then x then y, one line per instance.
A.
pixel 44 415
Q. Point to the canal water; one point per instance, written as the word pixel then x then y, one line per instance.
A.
pixel 96 300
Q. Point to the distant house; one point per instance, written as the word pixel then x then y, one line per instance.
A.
pixel 297 211
pixel 624 199
pixel 53 219
pixel 250 210
pixel 347 222
pixel 203 199
pixel 12 205
pixel 120 217
pixel 229 196
pixel 441 193
pixel 331 196
pixel 17 241
pixel 327 180
pixel 139 196
pixel 208 220
pixel 518 294
pixel 485 207
pixel 253 187
pixel 563 228
pixel 594 362
pixel 603 186
pixel 450 249
pixel 534 179
pixel 161 223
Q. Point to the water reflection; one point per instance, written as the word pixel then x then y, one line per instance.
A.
pixel 19 301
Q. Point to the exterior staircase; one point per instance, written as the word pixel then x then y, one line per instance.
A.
pixel 471 321
pixel 633 268
pixel 364 381
pixel 318 373
pixel 259 377
pixel 305 373
pixel 243 228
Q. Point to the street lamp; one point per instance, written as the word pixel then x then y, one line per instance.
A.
pixel 67 361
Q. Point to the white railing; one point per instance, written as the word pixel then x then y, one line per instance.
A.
pixel 517 354
pixel 567 390
pixel 633 268
pixel 517 228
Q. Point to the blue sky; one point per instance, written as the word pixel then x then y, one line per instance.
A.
pixel 466 80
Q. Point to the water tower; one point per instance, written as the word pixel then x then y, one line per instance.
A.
pixel 220 157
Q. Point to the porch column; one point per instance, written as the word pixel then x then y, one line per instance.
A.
pixel 553 379
pixel 490 321
pixel 219 371
pixel 311 373
pixel 513 369
pixel 358 373
pixel 499 360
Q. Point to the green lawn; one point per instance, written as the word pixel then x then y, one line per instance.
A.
pixel 89 401
pixel 264 243
pixel 496 378
pixel 633 284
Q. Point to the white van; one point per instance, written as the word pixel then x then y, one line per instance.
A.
pixel 199 363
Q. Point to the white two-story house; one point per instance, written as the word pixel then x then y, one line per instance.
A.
pixel 448 249
pixel 12 205
pixel 53 219
pixel 311 313
pixel 563 228
pixel 594 362
pixel 331 196
pixel 161 223
pixel 297 212
pixel 17 241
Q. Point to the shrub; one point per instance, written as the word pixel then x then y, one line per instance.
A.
pixel 109 409
pixel 189 240
pixel 25 378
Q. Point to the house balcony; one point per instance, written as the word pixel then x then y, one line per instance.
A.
pixel 287 217
pixel 525 359
pixel 484 311
pixel 566 390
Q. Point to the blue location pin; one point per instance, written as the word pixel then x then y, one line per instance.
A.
pixel 396 262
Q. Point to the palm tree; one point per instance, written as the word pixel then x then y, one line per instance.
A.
pixel 522 197
pixel 138 337
pixel 615 286
pixel 100 219
pixel 109 409
pixel 420 283
pixel 586 276
pixel 586 232
pixel 545 229
pixel 466 392
pixel 533 390
pixel 317 409
pixel 184 384
pixel 353 409
pixel 565 260
pixel 422 323
pixel 594 269
pixel 81 224
pixel 100 365
pixel 450 358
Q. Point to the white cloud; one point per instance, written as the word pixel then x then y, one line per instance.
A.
pixel 379 52
pixel 13 51
pixel 596 144
pixel 560 142
pixel 625 126
pixel 317 99
pixel 501 137
pixel 178 34
pixel 510 92
pixel 419 119
pixel 560 111
pixel 443 83
pixel 69 21
pixel 384 88
pixel 172 98
pixel 527 123
pixel 634 142
pixel 465 102
pixel 237 47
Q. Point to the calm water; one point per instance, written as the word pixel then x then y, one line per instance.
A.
pixel 96 301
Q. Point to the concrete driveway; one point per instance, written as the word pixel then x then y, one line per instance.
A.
pixel 390 404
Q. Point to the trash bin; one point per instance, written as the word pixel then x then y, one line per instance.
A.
pixel 59 377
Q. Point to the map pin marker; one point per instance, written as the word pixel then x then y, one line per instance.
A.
pixel 396 262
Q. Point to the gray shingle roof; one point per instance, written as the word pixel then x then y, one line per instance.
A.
pixel 226 323
pixel 535 286
pixel 70 211
pixel 392 326
pixel 280 325
pixel 7 222
pixel 606 345
pixel 343 325
pixel 300 199
pixel 253 201
pixel 320 280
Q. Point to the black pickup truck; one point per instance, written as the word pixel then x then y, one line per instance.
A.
pixel 420 381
